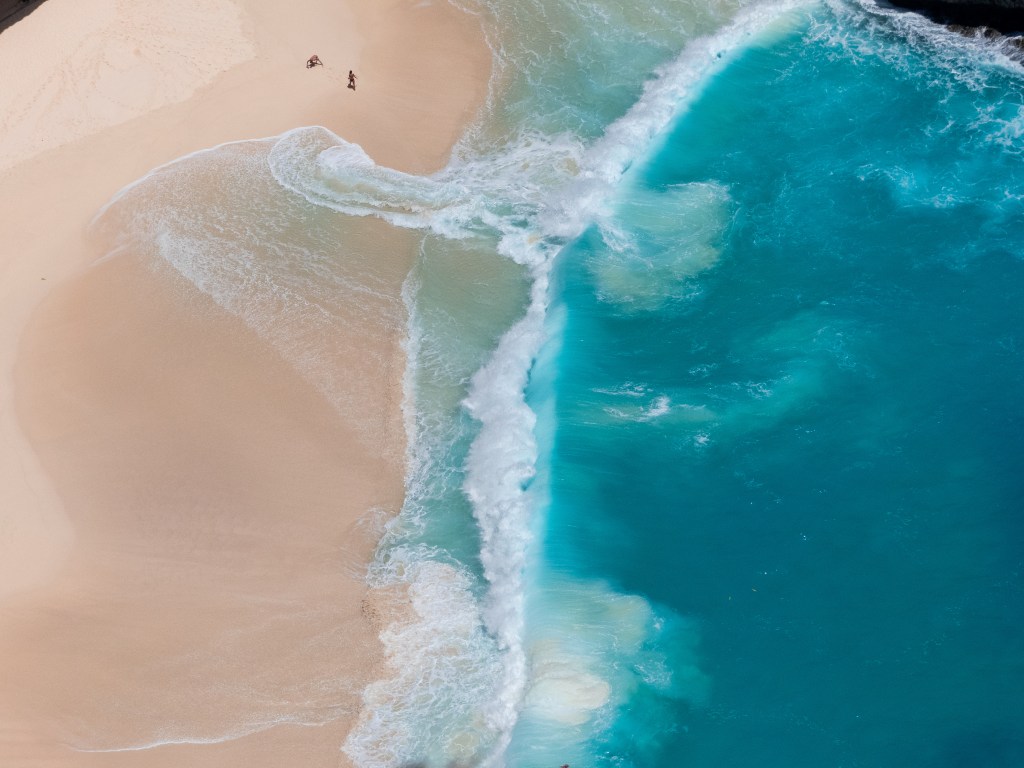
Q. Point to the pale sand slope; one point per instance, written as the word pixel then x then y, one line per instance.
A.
pixel 180 535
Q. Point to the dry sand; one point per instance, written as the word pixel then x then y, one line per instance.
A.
pixel 183 517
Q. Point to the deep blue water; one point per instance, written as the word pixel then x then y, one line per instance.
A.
pixel 800 429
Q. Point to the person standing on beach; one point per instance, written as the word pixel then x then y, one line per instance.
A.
pixel 351 79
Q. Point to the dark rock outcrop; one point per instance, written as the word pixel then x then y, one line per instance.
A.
pixel 12 10
pixel 1005 16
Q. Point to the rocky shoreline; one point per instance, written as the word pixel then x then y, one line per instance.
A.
pixel 13 10
pixel 1005 17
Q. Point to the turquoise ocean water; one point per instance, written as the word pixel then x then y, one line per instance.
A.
pixel 716 348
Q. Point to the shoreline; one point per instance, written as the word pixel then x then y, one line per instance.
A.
pixel 973 17
pixel 118 399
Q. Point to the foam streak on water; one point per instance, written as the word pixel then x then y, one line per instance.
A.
pixel 503 458
pixel 535 195
pixel 493 656
pixel 455 688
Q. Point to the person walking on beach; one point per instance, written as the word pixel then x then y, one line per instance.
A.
pixel 313 61
pixel 351 79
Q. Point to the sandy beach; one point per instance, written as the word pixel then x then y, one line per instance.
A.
pixel 184 517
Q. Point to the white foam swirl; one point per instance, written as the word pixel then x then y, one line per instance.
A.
pixel 534 195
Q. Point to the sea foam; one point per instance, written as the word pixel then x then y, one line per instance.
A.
pixel 533 195
pixel 455 687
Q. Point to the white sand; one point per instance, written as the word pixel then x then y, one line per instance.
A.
pixel 103 63
pixel 181 530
